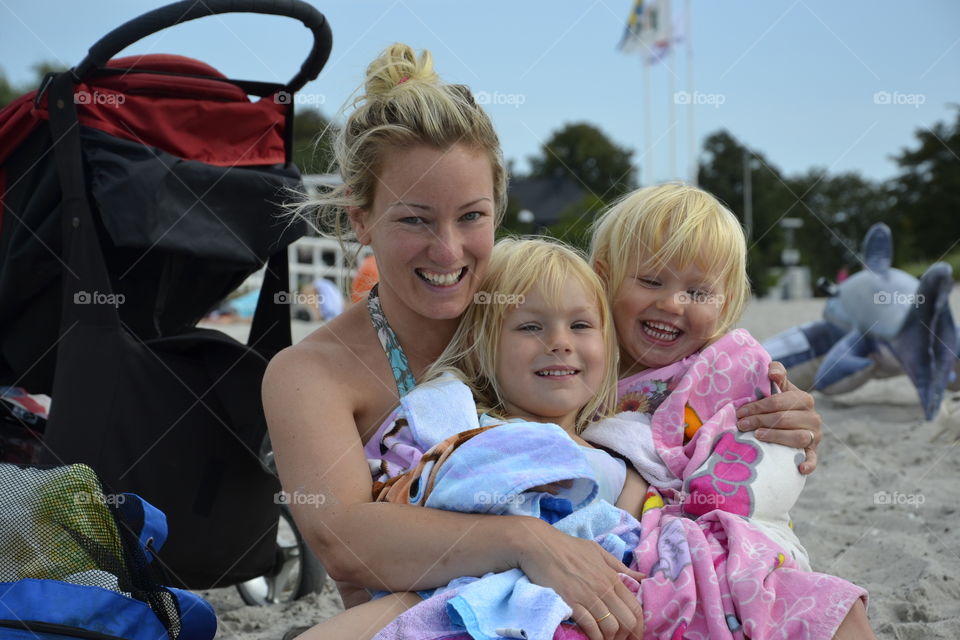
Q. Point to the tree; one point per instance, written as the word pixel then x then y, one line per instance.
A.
pixel 926 195
pixel 312 141
pixel 838 211
pixel 9 92
pixel 574 226
pixel 583 152
pixel 721 173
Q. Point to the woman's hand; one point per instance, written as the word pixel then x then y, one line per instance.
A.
pixel 786 418
pixel 585 576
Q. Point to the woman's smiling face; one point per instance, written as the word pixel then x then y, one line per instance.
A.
pixel 431 226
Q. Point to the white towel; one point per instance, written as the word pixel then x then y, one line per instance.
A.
pixel 439 409
pixel 628 433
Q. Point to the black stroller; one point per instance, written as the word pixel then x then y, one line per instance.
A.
pixel 136 194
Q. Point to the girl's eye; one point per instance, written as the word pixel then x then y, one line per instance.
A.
pixel 650 282
pixel 699 295
pixel 581 325
pixel 528 327
pixel 473 215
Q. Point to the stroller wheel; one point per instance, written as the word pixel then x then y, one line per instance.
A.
pixel 296 571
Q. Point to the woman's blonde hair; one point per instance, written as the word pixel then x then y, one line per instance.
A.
pixel 404 104
pixel 673 223
pixel 517 266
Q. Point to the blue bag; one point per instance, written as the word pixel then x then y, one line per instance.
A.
pixel 75 562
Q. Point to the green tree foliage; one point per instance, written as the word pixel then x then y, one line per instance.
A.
pixel 837 212
pixel 576 220
pixel 582 152
pixel 721 173
pixel 312 141
pixel 9 92
pixel 926 195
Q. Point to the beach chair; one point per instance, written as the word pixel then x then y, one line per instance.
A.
pixel 137 193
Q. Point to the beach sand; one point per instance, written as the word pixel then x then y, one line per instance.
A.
pixel 882 510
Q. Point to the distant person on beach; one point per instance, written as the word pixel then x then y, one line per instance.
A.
pixel 367 276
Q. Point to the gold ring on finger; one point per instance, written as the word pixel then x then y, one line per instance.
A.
pixel 603 617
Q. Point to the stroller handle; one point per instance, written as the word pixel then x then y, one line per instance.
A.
pixel 172 14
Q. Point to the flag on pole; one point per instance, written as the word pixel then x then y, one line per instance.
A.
pixel 649 30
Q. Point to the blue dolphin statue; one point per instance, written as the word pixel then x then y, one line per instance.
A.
pixel 879 322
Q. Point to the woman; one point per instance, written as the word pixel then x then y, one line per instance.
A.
pixel 425 186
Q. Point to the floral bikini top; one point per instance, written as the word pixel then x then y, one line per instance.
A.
pixel 391 345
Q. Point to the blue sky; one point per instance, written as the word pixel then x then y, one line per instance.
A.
pixel 795 79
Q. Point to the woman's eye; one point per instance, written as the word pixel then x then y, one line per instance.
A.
pixel 412 220
pixel 473 215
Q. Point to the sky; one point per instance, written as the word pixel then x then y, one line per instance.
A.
pixel 809 83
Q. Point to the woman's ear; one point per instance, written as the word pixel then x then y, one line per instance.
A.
pixel 359 219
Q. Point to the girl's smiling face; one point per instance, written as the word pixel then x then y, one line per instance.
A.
pixel 551 356
pixel 664 314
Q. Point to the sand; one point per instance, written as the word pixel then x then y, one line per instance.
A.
pixel 882 509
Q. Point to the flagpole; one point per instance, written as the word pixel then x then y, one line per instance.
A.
pixel 647 135
pixel 672 92
pixel 694 166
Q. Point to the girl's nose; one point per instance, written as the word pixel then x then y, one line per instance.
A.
pixel 673 302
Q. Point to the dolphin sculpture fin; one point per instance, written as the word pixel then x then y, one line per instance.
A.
pixel 927 345
pixel 847 361
pixel 878 249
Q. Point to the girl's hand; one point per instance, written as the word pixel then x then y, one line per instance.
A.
pixel 585 576
pixel 786 418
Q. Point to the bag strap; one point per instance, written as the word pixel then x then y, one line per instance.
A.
pixel 87 293
pixel 270 328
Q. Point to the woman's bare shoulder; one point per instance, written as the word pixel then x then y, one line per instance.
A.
pixel 332 352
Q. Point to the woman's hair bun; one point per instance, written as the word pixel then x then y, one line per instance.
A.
pixel 396 66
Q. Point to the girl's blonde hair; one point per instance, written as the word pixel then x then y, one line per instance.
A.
pixel 404 104
pixel 673 223
pixel 517 266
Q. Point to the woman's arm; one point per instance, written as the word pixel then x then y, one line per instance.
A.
pixel 310 412
pixel 786 418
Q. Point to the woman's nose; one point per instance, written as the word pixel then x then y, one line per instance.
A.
pixel 446 247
